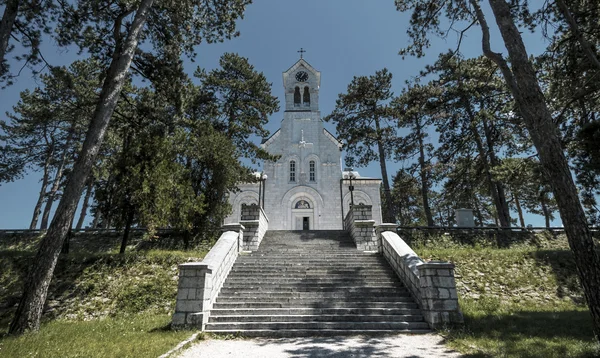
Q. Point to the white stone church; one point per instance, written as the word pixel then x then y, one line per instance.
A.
pixel 306 189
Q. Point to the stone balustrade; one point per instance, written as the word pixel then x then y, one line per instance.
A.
pixel 256 223
pixel 200 282
pixel 431 283
pixel 359 222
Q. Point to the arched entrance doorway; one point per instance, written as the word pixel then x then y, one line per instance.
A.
pixel 303 215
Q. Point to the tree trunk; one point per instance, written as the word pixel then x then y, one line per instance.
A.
pixel 522 81
pixel 519 210
pixel 29 311
pixel 500 218
pixel 424 174
pixel 388 212
pixel 11 11
pixel 545 210
pixel 502 203
pixel 84 206
pixel 96 219
pixel 128 223
pixel 38 206
pixel 55 185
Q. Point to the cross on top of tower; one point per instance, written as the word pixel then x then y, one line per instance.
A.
pixel 302 51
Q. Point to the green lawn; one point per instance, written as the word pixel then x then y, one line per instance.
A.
pixel 523 301
pixel 141 335
pixel 100 303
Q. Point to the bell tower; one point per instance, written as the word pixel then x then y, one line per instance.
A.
pixel 301 83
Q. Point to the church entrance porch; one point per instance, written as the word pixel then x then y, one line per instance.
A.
pixel 302 219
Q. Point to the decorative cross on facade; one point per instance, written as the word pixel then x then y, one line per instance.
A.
pixel 302 51
pixel 302 143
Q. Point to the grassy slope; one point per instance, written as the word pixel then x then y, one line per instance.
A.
pixel 100 304
pixel 520 301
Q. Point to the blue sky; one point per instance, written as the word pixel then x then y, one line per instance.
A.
pixel 343 38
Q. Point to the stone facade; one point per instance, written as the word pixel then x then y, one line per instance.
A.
pixel 200 282
pixel 430 283
pixel 305 188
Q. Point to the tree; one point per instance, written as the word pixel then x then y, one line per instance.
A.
pixel 362 117
pixel 24 22
pixel 528 187
pixel 477 116
pixel 103 28
pixel 46 129
pixel 414 112
pixel 521 79
pixel 407 200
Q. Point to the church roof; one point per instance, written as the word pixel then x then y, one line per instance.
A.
pixel 298 63
pixel 333 138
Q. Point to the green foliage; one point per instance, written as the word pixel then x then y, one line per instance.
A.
pixel 362 122
pixel 172 158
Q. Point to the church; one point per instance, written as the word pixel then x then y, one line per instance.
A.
pixel 306 189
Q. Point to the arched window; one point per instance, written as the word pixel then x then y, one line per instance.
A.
pixel 293 170
pixel 311 171
pixel 297 98
pixel 306 97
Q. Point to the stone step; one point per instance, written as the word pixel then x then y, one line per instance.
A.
pixel 283 333
pixel 330 260
pixel 392 289
pixel 262 295
pixel 307 275
pixel 306 299
pixel 314 318
pixel 314 304
pixel 313 281
pixel 245 326
pixel 314 311
pixel 349 265
pixel 313 270
pixel 266 286
pixel 348 290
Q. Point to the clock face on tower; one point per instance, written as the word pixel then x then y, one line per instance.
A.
pixel 301 76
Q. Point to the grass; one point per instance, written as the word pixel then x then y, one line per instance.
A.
pixel 100 303
pixel 141 335
pixel 520 301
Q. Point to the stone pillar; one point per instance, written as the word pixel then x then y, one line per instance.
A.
pixel 256 224
pixel 193 295
pixel 359 222
pixel 439 299
pixel 383 228
pixel 200 282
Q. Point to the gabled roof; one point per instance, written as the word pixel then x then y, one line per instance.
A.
pixel 266 141
pixel 332 138
pixel 299 63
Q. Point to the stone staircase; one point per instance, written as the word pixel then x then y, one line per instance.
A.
pixel 303 283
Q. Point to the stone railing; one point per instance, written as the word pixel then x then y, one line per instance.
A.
pixel 359 222
pixel 256 223
pixel 200 282
pixel 430 283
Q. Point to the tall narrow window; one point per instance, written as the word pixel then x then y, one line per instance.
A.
pixel 306 97
pixel 297 98
pixel 311 170
pixel 293 170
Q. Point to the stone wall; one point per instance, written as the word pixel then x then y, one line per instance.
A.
pixel 200 282
pixel 256 223
pixel 430 283
pixel 359 222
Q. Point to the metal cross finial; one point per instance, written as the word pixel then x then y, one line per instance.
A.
pixel 302 51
